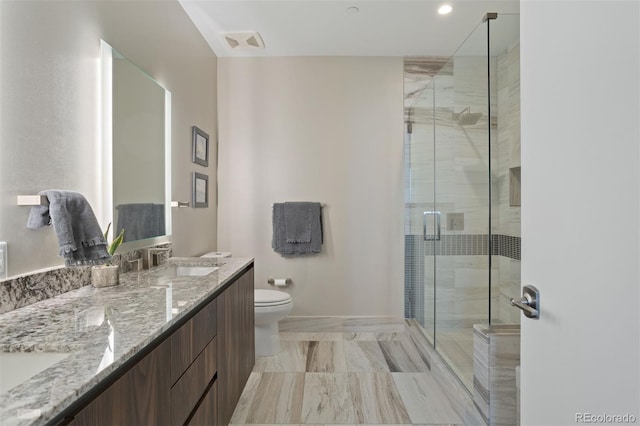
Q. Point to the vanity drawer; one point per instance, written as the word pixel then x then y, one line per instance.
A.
pixel 207 413
pixel 191 338
pixel 186 393
pixel 141 396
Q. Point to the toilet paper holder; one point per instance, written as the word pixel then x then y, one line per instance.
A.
pixel 279 283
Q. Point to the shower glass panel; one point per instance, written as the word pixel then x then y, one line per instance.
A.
pixel 504 47
pixel 462 195
pixel 420 220
pixel 462 156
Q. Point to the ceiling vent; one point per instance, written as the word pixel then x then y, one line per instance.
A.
pixel 246 40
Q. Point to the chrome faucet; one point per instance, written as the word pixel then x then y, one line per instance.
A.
pixel 148 255
pixel 134 264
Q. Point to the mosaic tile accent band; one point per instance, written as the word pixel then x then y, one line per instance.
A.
pixel 415 249
pixel 414 253
pixel 507 246
pixel 471 245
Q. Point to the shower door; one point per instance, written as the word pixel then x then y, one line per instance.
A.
pixel 463 193
pixel 448 199
pixel 462 155
pixel 420 210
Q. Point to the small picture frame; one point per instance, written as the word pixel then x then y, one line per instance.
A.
pixel 200 147
pixel 200 190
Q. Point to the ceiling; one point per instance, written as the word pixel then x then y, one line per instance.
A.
pixel 325 28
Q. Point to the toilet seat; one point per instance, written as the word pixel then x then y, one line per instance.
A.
pixel 267 298
pixel 270 306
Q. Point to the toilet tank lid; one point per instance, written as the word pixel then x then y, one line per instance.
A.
pixel 217 254
pixel 270 296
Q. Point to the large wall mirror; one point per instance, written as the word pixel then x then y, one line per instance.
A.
pixel 136 136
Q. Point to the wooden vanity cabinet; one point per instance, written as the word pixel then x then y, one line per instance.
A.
pixel 236 348
pixel 190 339
pixel 187 393
pixel 139 397
pixel 194 377
pixel 207 410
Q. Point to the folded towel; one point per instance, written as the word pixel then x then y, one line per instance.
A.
pixel 140 221
pixel 80 238
pixel 297 222
pixel 279 241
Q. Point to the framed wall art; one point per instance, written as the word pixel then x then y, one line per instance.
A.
pixel 200 147
pixel 200 189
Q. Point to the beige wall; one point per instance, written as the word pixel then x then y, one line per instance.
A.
pixel 49 108
pixel 317 129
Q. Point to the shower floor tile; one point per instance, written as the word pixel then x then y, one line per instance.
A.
pixel 456 346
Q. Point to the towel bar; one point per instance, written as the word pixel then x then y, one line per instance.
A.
pixel 33 200
pixel 179 204
pixel 321 204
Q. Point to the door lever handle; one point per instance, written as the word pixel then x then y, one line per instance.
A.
pixel 529 303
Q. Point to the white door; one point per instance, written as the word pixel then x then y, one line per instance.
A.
pixel 581 210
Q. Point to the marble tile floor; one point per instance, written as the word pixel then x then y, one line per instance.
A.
pixel 455 345
pixel 344 378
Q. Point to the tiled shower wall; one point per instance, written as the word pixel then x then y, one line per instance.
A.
pixel 461 162
pixel 506 220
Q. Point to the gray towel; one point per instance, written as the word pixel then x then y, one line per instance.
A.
pixel 140 221
pixel 297 222
pixel 80 238
pixel 279 241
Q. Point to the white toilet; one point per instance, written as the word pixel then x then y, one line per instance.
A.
pixel 217 254
pixel 270 307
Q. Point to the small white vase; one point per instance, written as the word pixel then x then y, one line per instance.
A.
pixel 104 276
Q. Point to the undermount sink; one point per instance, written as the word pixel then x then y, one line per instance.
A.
pixel 195 271
pixel 18 367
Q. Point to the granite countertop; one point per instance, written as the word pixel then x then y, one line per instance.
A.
pixel 100 329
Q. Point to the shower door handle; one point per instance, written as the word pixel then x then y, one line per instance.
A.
pixel 435 235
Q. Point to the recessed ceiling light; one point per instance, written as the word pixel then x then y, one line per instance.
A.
pixel 352 10
pixel 445 9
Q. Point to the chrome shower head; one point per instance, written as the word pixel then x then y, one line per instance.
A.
pixel 466 117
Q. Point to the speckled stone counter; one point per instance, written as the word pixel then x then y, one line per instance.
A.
pixel 101 329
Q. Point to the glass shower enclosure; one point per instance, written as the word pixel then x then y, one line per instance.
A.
pixel 462 191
